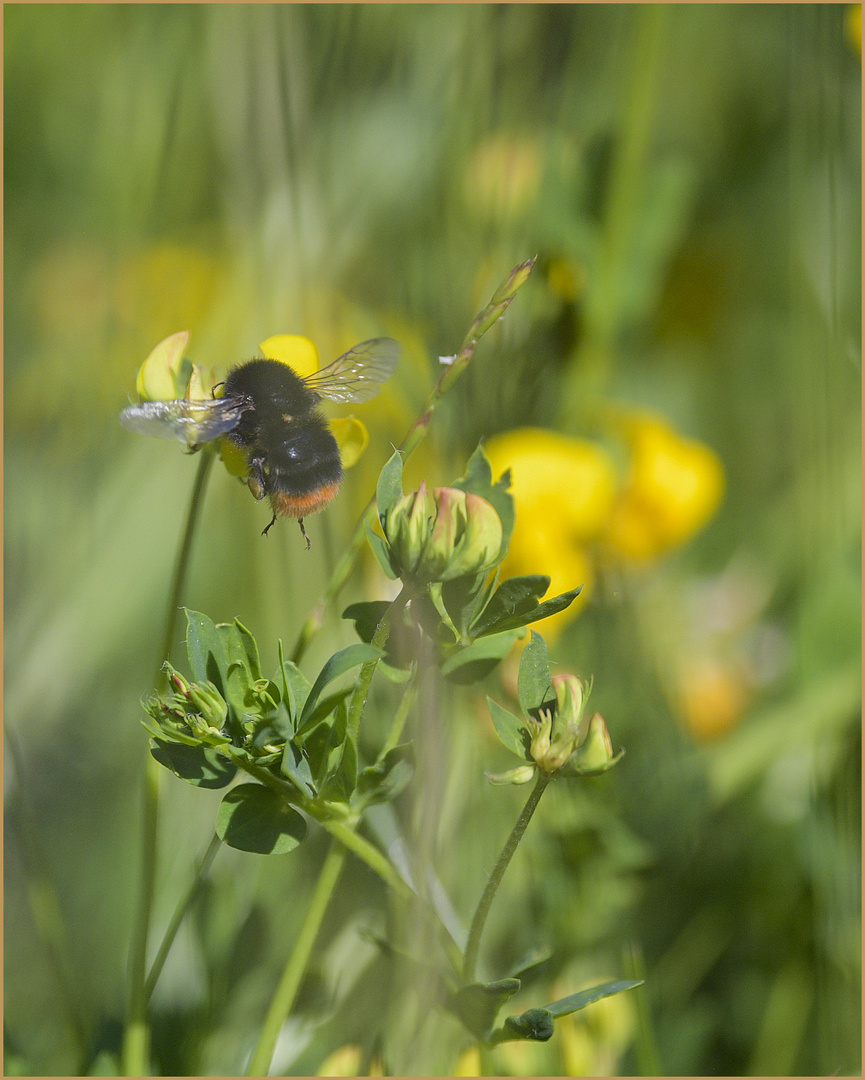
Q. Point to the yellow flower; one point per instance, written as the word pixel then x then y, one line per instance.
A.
pixel 712 694
pixel 563 489
pixel 673 488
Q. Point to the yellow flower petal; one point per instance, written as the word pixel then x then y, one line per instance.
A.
pixel 233 458
pixel 673 488
pixel 351 438
pixel 552 474
pixel 298 352
pixel 563 489
pixel 157 378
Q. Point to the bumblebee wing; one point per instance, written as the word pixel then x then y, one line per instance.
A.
pixel 357 374
pixel 191 422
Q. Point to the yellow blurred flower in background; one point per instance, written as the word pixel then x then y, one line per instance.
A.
pixel 574 505
pixel 673 487
pixel 563 489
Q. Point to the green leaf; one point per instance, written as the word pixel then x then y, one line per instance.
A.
pixel 511 730
pixel 295 688
pixel 382 553
pixel 532 960
pixel 207 660
pixel 515 603
pixel 295 767
pixel 366 616
pixel 402 641
pixel 554 604
pixel 250 648
pixel 383 781
pixel 470 663
pixel 478 480
pixel 535 681
pixel 341 780
pixel 433 621
pixel 574 1002
pixel 477 1005
pixel 534 1024
pixel 464 599
pixel 389 488
pixel 254 818
pixel 337 665
pixel 197 765
pixel 239 678
pixel 514 598
pixel 325 706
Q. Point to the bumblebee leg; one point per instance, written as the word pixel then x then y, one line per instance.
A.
pixel 264 531
pixel 306 538
pixel 256 481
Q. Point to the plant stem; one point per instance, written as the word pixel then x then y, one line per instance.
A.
pixel 180 913
pixel 196 501
pixel 486 900
pixel 286 991
pixel 487 318
pixel 364 679
pixel 136 1037
pixel 400 716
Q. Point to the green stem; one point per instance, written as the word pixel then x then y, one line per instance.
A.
pixel 205 463
pixel 136 1037
pixel 180 913
pixel 368 853
pixel 364 680
pixel 487 318
pixel 400 716
pixel 286 991
pixel 343 831
pixel 486 900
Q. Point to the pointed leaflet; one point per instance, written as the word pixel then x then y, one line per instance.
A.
pixel 200 766
pixel 511 730
pixel 537 1024
pixel 468 664
pixel 513 598
pixel 535 682
pixel 464 598
pixel 382 554
pixel 254 818
pixel 580 1000
pixel 207 660
pixel 338 664
pixel 389 488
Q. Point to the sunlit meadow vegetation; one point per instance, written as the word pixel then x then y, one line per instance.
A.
pixel 672 390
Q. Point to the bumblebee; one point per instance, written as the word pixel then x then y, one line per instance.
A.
pixel 269 412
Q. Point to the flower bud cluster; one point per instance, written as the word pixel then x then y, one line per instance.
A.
pixel 442 534
pixel 563 740
pixel 204 708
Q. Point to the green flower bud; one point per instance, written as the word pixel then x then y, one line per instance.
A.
pixel 522 774
pixel 595 755
pixel 210 704
pixel 570 701
pixel 540 730
pixel 442 535
pixel 407 528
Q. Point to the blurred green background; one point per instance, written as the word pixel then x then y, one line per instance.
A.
pixel 690 179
